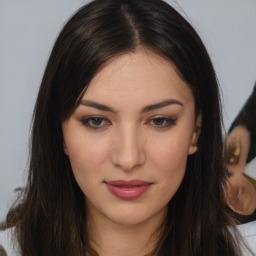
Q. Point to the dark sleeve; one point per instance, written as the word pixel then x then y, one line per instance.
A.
pixel 2 251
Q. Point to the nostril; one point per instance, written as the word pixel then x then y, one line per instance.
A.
pixel 128 160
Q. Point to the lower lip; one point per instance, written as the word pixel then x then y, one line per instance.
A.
pixel 128 193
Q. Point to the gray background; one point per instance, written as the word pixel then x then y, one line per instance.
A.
pixel 28 29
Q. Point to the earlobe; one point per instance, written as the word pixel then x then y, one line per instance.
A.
pixel 196 133
pixel 192 149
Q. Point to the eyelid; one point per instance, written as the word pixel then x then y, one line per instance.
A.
pixel 86 119
pixel 170 121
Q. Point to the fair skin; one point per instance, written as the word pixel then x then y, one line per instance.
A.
pixel 136 123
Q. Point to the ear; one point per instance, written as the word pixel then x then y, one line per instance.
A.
pixel 195 135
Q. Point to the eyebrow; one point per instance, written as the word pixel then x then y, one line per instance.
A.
pixel 161 105
pixel 97 105
pixel 148 108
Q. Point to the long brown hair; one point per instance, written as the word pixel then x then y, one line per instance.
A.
pixel 50 217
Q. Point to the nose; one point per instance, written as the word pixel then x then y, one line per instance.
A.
pixel 128 149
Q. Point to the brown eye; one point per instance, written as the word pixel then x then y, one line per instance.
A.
pixel 159 121
pixel 162 121
pixel 95 122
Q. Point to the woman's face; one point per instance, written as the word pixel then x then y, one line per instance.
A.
pixel 129 139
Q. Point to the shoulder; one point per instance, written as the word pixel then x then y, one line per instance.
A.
pixel 248 232
pixel 6 242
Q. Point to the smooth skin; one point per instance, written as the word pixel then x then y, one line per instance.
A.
pixel 136 121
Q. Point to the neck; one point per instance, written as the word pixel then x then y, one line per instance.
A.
pixel 112 239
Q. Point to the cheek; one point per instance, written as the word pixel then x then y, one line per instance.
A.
pixel 86 155
pixel 87 158
pixel 171 153
pixel 169 159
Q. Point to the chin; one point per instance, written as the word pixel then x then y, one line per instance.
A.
pixel 136 216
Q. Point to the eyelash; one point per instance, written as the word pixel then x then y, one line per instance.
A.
pixel 88 122
pixel 168 121
pixel 165 122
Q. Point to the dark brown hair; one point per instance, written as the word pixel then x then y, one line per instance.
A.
pixel 50 218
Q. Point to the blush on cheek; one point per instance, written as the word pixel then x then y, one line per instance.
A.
pixel 173 153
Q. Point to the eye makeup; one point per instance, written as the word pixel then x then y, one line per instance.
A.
pixel 162 121
pixel 95 122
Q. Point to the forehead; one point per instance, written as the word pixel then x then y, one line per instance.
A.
pixel 142 75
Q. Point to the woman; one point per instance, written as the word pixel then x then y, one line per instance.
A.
pixel 126 154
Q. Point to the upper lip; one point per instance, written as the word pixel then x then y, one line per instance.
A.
pixel 128 183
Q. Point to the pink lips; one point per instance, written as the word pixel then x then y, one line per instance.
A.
pixel 128 189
